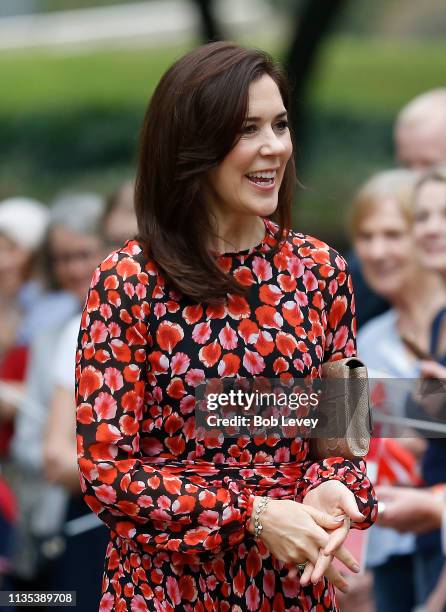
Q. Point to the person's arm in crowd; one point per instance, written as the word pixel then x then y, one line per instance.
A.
pixel 411 509
pixel 59 450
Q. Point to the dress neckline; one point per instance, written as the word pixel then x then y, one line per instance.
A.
pixel 264 244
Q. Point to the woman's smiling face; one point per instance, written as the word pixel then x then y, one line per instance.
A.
pixel 248 179
pixel 430 224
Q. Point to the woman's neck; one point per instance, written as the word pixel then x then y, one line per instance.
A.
pixel 237 233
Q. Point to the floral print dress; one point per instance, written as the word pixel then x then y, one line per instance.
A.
pixel 178 505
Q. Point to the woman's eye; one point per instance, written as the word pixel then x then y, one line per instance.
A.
pixel 282 125
pixel 250 128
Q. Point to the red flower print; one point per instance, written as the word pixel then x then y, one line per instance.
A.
pixel 151 446
pixel 267 316
pixel 105 494
pixel 262 269
pixel 195 377
pixel 229 365
pixel 90 381
pixel 253 362
pixel 269 583
pixel 249 331
pixel 265 344
pixel 184 503
pixel 270 294
pixel 280 365
pixel 177 500
pixel 201 332
pixel 340 338
pixel 120 351
pixel 176 388
pixel 192 314
pixel 239 583
pixel 337 311
pixel 98 332
pixel 113 379
pixel 210 354
pixel 295 267
pixel 105 311
pixel 173 423
pixel 237 307
pixel 253 563
pixel 93 301
pixel 286 343
pixel 84 414
pixel 180 363
pixel 173 590
pixel 292 313
pixel 286 283
pixel 107 433
pixel 252 597
pixel 138 604
pixel 216 311
pixel 209 518
pixel 131 373
pixel 188 588
pixel 228 337
pixel 107 602
pixel 105 406
pixel 127 267
pixel 159 310
pixel 158 362
pixel 310 281
pixel 168 335
pixel 244 276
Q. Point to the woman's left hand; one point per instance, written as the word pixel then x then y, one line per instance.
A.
pixel 331 497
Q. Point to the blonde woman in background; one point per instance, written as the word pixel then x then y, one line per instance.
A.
pixel 381 225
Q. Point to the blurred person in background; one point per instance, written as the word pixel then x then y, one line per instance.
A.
pixel 419 142
pixel 22 228
pixel 23 223
pixel 80 566
pixel 406 508
pixel 71 251
pixel 381 227
pixel 119 222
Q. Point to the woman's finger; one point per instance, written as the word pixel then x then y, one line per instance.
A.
pixel 306 574
pixel 325 520
pixel 336 578
pixel 322 564
pixel 348 504
pixel 337 537
pixel 346 557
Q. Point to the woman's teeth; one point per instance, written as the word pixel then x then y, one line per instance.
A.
pixel 262 178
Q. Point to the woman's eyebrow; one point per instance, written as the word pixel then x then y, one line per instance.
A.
pixel 279 116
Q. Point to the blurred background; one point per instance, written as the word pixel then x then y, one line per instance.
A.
pixel 76 76
pixel 75 85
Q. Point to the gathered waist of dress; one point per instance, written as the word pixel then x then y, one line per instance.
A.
pixel 252 474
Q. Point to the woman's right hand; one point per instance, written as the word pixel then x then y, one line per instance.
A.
pixel 295 533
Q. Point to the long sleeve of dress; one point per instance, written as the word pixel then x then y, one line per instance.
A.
pixel 340 342
pixel 171 507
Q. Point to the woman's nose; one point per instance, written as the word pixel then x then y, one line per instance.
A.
pixel 272 144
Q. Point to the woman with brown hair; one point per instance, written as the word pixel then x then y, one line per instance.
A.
pixel 214 288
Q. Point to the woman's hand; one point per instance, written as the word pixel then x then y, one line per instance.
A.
pixel 295 533
pixel 331 498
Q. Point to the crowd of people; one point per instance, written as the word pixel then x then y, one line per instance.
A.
pixel 49 538
pixel 49 254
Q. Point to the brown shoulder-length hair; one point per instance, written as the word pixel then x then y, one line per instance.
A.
pixel 193 121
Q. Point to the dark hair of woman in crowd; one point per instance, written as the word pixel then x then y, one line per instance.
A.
pixel 201 102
